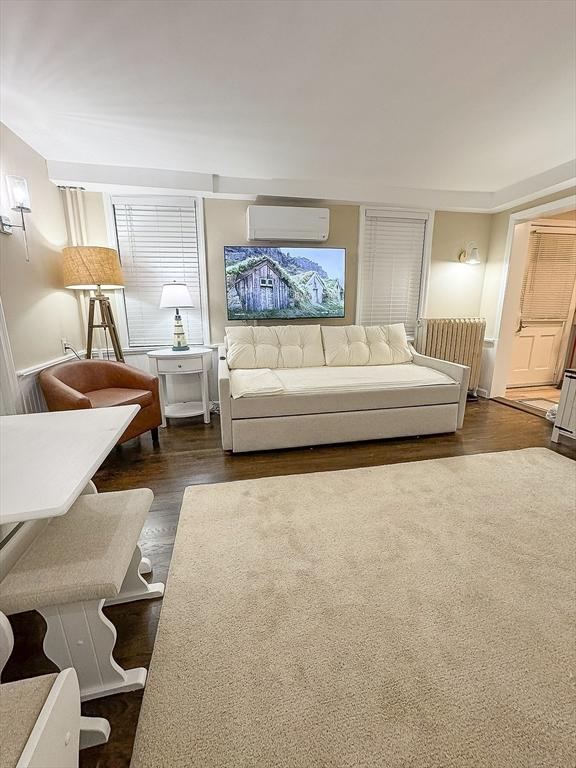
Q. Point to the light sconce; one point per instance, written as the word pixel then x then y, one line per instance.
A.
pixel 18 200
pixel 469 255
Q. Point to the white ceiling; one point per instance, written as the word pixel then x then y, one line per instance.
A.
pixel 432 94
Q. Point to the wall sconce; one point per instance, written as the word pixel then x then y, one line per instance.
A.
pixel 18 200
pixel 469 255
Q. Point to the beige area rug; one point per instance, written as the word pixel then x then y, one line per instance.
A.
pixel 408 616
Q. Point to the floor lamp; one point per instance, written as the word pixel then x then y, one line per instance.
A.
pixel 93 268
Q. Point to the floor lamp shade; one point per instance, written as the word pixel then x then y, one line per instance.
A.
pixel 91 267
pixel 86 267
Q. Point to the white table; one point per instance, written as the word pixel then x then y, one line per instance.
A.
pixel 166 362
pixel 47 459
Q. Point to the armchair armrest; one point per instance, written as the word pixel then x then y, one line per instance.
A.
pixel 460 373
pixel 224 397
pixel 61 397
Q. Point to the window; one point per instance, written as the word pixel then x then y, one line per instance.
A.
pixel 159 242
pixel 391 267
pixel 266 282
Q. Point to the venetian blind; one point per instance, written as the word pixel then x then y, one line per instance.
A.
pixel 391 269
pixel 158 244
pixel 549 277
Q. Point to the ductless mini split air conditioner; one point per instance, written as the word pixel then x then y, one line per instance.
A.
pixel 279 222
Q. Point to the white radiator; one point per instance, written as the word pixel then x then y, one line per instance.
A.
pixel 458 340
pixel 32 399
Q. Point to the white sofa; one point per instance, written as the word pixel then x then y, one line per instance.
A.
pixel 298 385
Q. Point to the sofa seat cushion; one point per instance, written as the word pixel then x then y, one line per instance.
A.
pixel 104 398
pixel 331 390
pixel 20 706
pixel 325 380
pixel 283 346
pixel 365 345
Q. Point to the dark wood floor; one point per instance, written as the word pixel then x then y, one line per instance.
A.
pixel 190 453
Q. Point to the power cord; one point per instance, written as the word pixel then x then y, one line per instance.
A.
pixel 71 348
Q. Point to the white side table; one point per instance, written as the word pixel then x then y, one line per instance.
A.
pixel 166 362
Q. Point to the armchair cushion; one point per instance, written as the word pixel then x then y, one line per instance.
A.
pixel 104 398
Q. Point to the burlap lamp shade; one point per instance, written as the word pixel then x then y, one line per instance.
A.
pixel 91 267
pixel 86 267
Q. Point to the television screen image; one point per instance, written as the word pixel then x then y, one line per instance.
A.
pixel 266 283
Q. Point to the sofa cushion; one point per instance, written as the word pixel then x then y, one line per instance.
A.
pixel 349 388
pixel 322 380
pixel 281 346
pixel 365 345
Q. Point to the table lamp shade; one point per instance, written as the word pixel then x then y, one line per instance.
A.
pixel 175 295
pixel 87 266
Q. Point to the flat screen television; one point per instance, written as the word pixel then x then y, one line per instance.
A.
pixel 270 283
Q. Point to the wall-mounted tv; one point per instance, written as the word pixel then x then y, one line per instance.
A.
pixel 274 283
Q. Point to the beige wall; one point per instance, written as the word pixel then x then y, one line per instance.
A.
pixel 455 289
pixel 39 311
pixel 225 224
pixel 96 228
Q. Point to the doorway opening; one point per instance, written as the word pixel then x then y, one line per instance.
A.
pixel 544 340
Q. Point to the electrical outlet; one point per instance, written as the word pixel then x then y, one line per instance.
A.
pixel 64 343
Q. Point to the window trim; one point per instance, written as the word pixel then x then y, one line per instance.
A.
pixel 404 213
pixel 174 200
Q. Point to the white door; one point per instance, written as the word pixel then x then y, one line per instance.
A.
pixel 535 353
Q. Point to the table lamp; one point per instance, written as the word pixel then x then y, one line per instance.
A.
pixel 92 268
pixel 174 296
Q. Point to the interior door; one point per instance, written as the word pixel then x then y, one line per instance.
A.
pixel 535 353
pixel 547 306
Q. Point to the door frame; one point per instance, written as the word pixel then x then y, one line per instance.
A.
pixel 510 284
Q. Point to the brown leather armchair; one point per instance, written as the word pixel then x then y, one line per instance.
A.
pixel 100 384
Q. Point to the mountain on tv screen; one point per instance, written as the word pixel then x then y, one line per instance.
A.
pixel 266 283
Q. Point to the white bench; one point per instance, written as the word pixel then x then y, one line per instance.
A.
pixel 40 721
pixel 73 566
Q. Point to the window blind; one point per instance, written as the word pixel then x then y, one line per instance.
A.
pixel 549 277
pixel 158 244
pixel 391 269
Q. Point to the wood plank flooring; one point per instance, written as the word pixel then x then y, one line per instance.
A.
pixel 532 393
pixel 190 453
